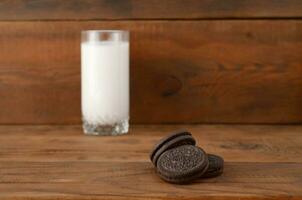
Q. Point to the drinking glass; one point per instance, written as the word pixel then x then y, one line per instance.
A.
pixel 105 81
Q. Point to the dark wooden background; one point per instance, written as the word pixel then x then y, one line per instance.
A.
pixel 192 61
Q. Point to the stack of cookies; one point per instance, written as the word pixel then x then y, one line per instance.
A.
pixel 177 159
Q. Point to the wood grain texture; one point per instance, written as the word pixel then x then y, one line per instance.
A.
pixel 137 180
pixel 147 9
pixel 181 71
pixel 59 162
pixel 67 143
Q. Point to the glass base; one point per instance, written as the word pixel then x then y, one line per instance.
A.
pixel 97 129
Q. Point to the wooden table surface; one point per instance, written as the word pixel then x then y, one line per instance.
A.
pixel 59 162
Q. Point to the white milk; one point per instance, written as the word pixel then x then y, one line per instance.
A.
pixel 105 82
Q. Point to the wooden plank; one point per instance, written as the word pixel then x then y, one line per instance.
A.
pixel 247 175
pixel 147 9
pixel 68 143
pixel 97 180
pixel 238 71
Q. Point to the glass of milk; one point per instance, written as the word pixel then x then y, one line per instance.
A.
pixel 105 81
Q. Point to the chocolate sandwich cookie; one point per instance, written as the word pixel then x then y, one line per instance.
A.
pixel 171 141
pixel 182 164
pixel 165 139
pixel 215 166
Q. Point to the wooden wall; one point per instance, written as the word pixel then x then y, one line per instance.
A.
pixel 192 61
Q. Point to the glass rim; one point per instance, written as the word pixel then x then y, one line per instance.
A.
pixel 105 31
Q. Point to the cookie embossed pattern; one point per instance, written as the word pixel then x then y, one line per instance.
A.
pixel 178 160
